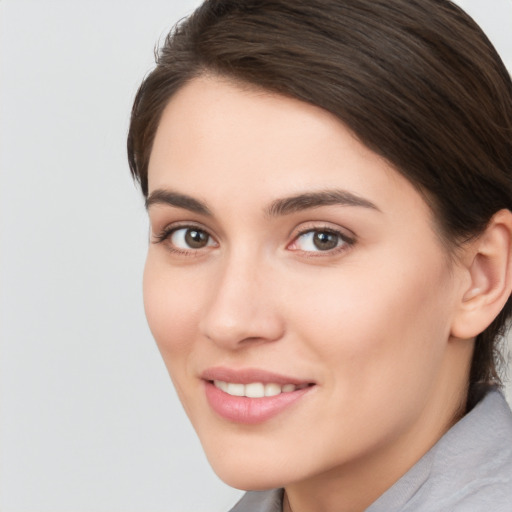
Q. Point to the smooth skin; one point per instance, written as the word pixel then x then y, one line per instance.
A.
pixel 358 295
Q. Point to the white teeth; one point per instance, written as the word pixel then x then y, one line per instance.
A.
pixel 221 384
pixel 235 389
pixel 272 389
pixel 255 389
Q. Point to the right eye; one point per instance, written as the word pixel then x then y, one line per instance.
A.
pixel 185 240
pixel 190 238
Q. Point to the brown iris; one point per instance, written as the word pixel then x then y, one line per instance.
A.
pixel 196 239
pixel 324 240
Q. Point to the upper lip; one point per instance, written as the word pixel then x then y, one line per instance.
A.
pixel 249 375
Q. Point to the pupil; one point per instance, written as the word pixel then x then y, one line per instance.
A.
pixel 325 241
pixel 196 239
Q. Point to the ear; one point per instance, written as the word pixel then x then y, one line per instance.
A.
pixel 488 261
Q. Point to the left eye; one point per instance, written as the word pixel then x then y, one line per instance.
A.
pixel 190 238
pixel 318 240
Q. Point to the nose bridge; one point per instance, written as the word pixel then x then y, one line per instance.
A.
pixel 240 309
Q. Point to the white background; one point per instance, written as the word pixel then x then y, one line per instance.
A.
pixel 89 419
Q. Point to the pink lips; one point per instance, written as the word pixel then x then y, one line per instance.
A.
pixel 241 409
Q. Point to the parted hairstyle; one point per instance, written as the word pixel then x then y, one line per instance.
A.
pixel 416 81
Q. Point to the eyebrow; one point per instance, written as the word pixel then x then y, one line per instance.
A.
pixel 310 200
pixel 171 198
pixel 279 207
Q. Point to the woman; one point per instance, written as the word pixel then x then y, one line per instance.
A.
pixel 329 190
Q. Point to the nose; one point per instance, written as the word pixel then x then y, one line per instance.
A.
pixel 242 309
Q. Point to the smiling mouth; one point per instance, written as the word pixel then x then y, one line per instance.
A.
pixel 252 395
pixel 257 389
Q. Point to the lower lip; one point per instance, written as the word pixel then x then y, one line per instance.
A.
pixel 249 411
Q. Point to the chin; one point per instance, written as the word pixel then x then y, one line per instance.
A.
pixel 247 477
pixel 247 468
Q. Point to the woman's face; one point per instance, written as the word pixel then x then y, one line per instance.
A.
pixel 288 260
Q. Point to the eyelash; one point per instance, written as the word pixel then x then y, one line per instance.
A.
pixel 167 233
pixel 346 241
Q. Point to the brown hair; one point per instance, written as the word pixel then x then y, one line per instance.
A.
pixel 417 81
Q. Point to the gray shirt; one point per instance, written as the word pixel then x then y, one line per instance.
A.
pixel 468 470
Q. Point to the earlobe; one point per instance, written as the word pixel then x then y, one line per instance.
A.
pixel 489 262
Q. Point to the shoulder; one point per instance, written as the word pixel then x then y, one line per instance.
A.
pixel 472 467
pixel 468 470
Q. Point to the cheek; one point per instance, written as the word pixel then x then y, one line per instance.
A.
pixel 377 323
pixel 171 307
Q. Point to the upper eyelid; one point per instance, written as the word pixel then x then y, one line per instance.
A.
pixel 344 238
pixel 174 226
pixel 165 233
pixel 306 227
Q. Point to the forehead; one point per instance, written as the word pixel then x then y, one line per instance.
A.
pixel 225 143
